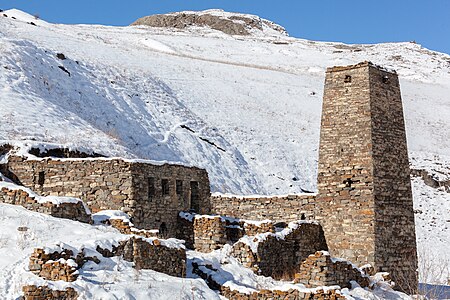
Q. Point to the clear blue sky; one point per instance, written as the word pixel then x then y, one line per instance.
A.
pixel 350 21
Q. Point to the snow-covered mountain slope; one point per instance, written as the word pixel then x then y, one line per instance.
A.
pixel 246 108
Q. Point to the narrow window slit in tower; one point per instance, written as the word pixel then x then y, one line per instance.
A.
pixel 41 178
pixel 385 79
pixel 348 78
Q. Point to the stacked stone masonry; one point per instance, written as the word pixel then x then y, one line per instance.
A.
pixel 151 254
pixel 329 294
pixel 151 194
pixel 33 292
pixel 280 256
pixel 127 228
pixel 227 292
pixel 278 209
pixel 55 266
pixel 154 256
pixel 365 200
pixel 209 234
pixel 320 269
pixel 206 233
pixel 68 210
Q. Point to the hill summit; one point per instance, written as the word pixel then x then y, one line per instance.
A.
pixel 216 19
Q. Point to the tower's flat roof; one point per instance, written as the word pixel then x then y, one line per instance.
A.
pixel 358 65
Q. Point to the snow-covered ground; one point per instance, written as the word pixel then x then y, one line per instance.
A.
pixel 113 278
pixel 246 108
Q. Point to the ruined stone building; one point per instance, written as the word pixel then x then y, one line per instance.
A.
pixel 151 194
pixel 364 200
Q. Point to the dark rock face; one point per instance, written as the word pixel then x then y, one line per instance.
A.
pixel 233 25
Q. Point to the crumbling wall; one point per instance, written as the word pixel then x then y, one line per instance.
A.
pixel 278 209
pixel 126 228
pixel 320 269
pixel 155 256
pixel 33 292
pixel 100 183
pixel 57 265
pixel 320 294
pixel 67 210
pixel 151 254
pixel 279 255
pixel 264 294
pixel 206 233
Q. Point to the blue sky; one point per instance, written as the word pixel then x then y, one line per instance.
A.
pixel 349 21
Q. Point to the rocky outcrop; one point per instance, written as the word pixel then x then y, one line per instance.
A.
pixel 431 180
pixel 233 24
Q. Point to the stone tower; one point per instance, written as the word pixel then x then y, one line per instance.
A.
pixel 365 201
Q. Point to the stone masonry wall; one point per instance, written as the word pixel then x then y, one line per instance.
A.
pixel 101 184
pixel 395 238
pixel 145 254
pixel 329 294
pixel 210 234
pixel 277 209
pixel 160 210
pixel 263 294
pixel 57 265
pixel 207 233
pixel 73 211
pixel 319 269
pixel 155 256
pixel 150 254
pixel 364 201
pixel 33 292
pixel 127 228
pixel 151 194
pixel 280 255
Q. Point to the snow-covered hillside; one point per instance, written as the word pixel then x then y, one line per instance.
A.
pixel 246 108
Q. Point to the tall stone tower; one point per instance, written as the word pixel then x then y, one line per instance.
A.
pixel 365 201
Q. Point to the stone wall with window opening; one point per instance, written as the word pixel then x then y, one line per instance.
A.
pixel 151 194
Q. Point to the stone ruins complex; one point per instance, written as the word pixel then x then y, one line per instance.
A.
pixel 363 211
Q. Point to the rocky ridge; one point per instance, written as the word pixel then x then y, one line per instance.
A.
pixel 229 23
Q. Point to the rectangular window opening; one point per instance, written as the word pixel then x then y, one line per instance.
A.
pixel 165 186
pixel 151 187
pixel 179 187
pixel 195 196
pixel 41 178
